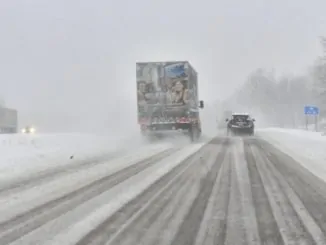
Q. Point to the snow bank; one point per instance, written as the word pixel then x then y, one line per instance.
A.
pixel 308 148
pixel 21 154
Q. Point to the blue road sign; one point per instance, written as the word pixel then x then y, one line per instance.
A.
pixel 311 110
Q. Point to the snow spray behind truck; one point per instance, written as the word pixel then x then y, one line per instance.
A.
pixel 167 96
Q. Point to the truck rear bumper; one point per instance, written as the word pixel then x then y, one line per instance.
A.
pixel 167 127
pixel 172 130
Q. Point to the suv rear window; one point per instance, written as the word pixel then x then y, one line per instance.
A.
pixel 240 117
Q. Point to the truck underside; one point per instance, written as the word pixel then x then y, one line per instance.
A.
pixel 164 130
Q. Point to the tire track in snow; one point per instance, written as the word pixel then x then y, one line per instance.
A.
pixel 190 227
pixel 178 212
pixel 172 222
pixel 141 224
pixel 195 176
pixel 144 228
pixel 235 228
pixel 267 226
pixel 161 231
pixel 14 228
pixel 283 205
pixel 247 204
pixel 113 229
pixel 214 223
pixel 306 191
pixel 166 214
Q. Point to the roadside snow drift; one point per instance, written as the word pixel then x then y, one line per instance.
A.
pixel 308 148
pixel 25 154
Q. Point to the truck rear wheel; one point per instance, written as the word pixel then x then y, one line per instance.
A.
pixel 194 134
pixel 145 136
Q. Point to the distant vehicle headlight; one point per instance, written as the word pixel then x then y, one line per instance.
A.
pixel 32 130
pixel 24 130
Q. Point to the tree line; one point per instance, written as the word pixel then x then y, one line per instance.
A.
pixel 281 100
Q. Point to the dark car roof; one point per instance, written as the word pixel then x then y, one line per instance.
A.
pixel 240 115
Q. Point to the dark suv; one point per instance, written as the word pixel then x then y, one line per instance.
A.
pixel 240 124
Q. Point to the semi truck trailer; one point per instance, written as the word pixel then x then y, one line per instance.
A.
pixel 8 121
pixel 167 98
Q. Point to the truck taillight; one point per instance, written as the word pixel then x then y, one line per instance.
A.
pixel 183 120
pixel 143 121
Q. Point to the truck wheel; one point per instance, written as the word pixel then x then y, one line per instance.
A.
pixel 230 133
pixel 199 134
pixel 196 134
pixel 145 137
pixel 193 133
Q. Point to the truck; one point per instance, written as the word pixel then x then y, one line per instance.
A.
pixel 167 98
pixel 8 121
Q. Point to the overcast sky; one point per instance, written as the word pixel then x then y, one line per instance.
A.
pixel 70 64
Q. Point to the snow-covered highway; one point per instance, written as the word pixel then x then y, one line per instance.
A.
pixel 231 190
